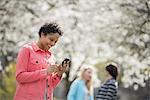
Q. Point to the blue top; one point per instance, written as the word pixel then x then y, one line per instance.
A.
pixel 78 91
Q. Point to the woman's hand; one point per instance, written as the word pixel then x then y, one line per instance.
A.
pixel 52 69
pixel 63 68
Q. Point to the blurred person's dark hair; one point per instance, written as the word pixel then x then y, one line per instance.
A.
pixel 112 70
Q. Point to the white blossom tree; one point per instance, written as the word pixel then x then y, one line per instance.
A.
pixel 93 31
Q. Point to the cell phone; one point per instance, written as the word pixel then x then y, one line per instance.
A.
pixel 66 60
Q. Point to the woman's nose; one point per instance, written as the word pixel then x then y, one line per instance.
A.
pixel 52 43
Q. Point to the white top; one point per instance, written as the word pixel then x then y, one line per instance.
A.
pixel 87 94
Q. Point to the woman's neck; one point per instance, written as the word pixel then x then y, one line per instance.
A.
pixel 40 45
pixel 84 79
pixel 109 77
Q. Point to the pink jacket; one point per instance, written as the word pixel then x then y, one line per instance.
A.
pixel 31 74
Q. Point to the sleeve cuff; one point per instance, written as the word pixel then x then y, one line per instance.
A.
pixel 43 72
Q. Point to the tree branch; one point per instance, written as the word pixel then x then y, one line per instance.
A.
pixel 31 10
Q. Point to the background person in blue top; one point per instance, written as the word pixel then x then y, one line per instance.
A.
pixel 81 88
pixel 108 91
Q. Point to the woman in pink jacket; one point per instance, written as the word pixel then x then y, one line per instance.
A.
pixel 36 72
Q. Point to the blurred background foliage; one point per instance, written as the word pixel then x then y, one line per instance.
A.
pixel 8 83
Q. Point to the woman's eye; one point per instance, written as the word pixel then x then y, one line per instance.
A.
pixel 51 39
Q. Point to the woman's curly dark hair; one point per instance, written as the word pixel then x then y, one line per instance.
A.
pixel 50 28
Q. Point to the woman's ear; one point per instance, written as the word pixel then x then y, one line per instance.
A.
pixel 42 34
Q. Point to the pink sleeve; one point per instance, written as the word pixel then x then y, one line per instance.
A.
pixel 55 80
pixel 22 75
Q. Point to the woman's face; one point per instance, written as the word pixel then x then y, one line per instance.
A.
pixel 107 73
pixel 87 74
pixel 49 40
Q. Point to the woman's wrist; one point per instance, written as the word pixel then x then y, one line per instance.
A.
pixel 47 71
pixel 59 73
